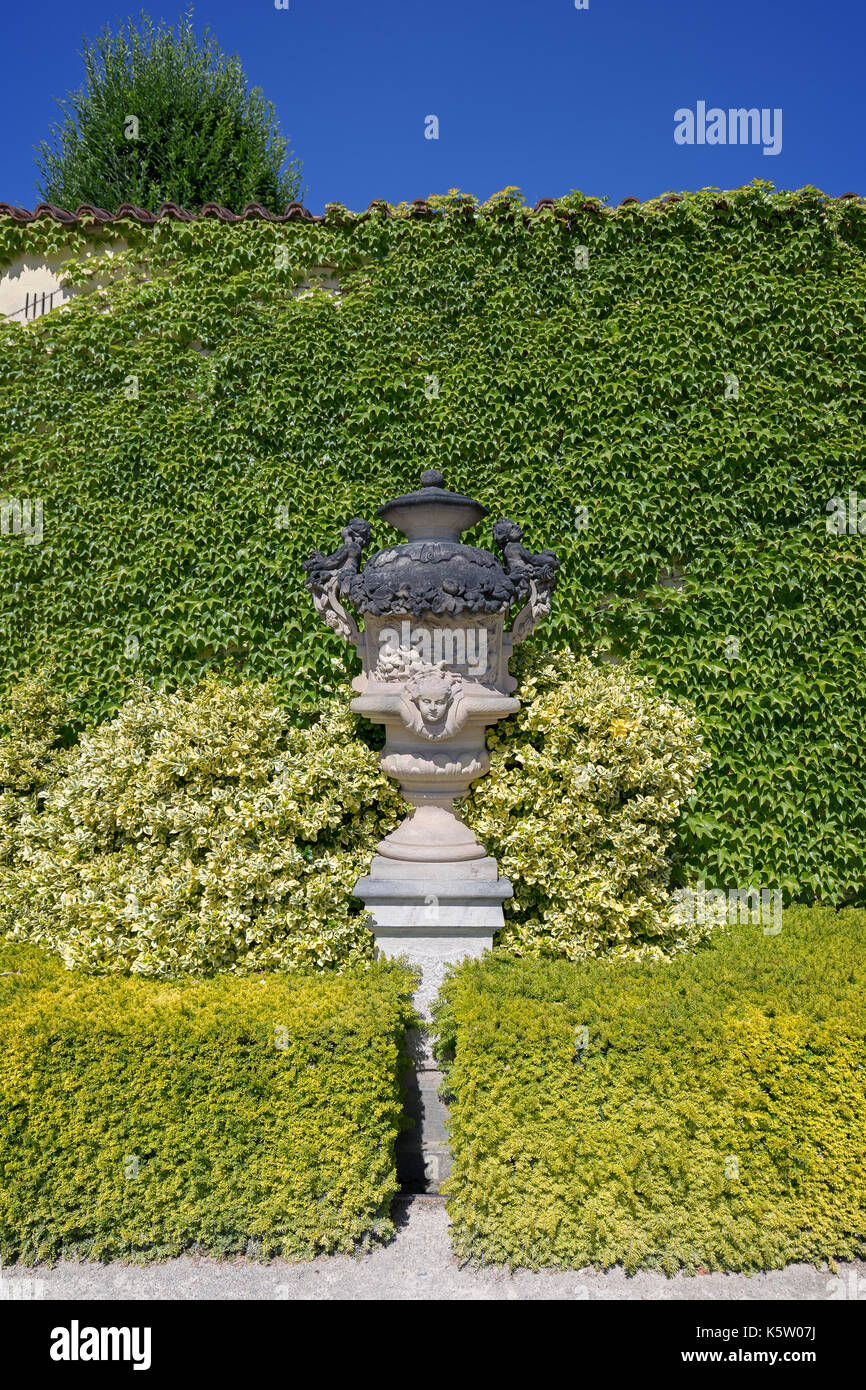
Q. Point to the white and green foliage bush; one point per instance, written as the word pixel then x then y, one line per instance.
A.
pixel 205 830
pixel 200 831
pixel 33 718
pixel 586 785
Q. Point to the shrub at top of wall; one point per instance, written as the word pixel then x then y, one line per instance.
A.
pixel 669 392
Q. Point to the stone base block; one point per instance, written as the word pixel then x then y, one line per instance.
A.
pixel 436 919
pixel 432 955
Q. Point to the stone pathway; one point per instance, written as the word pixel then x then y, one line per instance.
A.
pixel 416 1265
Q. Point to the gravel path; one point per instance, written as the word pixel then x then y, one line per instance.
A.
pixel 417 1264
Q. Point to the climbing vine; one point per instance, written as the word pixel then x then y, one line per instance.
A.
pixel 668 393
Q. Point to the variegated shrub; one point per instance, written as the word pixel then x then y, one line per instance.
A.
pixel 206 830
pixel 580 808
pixel 201 831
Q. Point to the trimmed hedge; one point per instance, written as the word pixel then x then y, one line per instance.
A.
pixel 244 1138
pixel 712 1113
pixel 684 399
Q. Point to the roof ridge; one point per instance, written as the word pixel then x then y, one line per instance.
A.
pixel 296 212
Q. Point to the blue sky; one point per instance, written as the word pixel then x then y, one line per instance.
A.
pixel 538 94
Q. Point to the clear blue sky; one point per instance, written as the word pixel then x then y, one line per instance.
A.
pixel 527 92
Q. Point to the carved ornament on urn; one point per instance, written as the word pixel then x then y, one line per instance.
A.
pixel 434 652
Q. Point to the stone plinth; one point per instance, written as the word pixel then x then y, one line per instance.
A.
pixel 437 920
pixel 436 914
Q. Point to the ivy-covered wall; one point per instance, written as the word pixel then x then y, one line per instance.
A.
pixel 671 388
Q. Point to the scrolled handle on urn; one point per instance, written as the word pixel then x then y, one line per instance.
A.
pixel 329 577
pixel 534 575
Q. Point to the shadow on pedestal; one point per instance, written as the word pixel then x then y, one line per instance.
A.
pixel 423 1153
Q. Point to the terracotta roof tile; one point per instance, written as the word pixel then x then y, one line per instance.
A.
pixel 294 212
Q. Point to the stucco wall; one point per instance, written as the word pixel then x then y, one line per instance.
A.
pixel 37 275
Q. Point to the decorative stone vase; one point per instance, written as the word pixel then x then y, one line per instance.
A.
pixel 434 653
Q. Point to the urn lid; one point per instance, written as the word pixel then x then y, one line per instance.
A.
pixel 432 571
pixel 432 513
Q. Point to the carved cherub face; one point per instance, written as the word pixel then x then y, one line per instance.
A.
pixel 505 531
pixel 432 695
pixel 433 707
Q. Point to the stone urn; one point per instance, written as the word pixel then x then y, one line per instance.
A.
pixel 434 652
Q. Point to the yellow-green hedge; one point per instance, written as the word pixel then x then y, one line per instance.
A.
pixel 259 1114
pixel 713 1112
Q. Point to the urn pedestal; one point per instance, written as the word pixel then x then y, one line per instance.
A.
pixel 437 918
pixel 434 653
